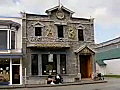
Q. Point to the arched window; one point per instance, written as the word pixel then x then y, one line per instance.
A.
pixel 80 32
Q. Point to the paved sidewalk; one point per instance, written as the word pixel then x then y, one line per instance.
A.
pixel 56 85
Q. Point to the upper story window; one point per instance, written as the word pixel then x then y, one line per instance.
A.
pixel 38 27
pixel 7 39
pixel 60 31
pixel 12 40
pixel 38 31
pixel 80 35
pixel 3 39
pixel 81 29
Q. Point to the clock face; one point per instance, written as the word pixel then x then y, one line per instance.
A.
pixel 60 14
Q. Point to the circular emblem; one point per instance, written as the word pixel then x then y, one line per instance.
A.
pixel 60 14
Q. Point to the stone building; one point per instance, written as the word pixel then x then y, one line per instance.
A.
pixel 108 57
pixel 10 51
pixel 57 43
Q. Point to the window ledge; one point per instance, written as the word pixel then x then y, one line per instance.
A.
pixel 11 51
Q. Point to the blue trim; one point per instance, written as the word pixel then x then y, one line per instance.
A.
pixel 9 17
pixel 4 83
pixel 11 55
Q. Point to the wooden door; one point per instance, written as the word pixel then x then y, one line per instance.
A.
pixel 85 66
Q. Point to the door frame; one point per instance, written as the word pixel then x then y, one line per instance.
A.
pixel 20 71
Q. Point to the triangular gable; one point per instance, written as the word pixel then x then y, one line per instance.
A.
pixel 38 24
pixel 80 26
pixel 85 50
pixel 58 7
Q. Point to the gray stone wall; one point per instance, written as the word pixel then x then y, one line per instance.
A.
pixel 50 22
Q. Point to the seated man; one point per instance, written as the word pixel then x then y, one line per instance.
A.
pixel 99 76
pixel 58 79
pixel 50 79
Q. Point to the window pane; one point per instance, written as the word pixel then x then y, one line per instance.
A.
pixel 4 70
pixel 44 63
pixel 34 66
pixel 3 39
pixel 12 40
pixel 49 67
pixel 80 35
pixel 15 61
pixel 60 31
pixel 38 31
pixel 62 63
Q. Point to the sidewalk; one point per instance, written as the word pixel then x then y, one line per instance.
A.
pixel 56 85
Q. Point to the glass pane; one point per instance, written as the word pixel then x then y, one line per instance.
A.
pixel 38 31
pixel 80 35
pixel 4 71
pixel 15 61
pixel 62 63
pixel 34 65
pixel 3 39
pixel 15 74
pixel 12 40
pixel 60 31
pixel 47 66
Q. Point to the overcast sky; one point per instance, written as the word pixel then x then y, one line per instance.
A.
pixel 105 12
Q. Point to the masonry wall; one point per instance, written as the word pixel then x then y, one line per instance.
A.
pixel 51 22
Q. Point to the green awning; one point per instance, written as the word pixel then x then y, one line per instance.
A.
pixel 107 55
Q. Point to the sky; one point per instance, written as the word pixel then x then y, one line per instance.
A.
pixel 106 13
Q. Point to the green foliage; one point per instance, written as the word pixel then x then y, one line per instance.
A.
pixel 114 76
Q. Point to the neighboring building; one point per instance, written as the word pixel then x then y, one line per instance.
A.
pixel 57 43
pixel 108 57
pixel 10 51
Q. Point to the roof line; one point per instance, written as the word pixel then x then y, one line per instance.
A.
pixel 109 40
pixel 9 17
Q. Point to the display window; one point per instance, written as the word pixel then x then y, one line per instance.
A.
pixel 4 71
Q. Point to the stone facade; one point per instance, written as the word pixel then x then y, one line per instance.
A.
pixel 50 43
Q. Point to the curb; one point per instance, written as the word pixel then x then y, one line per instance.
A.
pixel 56 85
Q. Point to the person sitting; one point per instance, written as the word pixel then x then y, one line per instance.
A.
pixel 50 79
pixel 58 79
pixel 100 76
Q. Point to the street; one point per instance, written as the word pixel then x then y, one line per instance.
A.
pixel 113 84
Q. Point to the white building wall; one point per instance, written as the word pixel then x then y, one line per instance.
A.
pixel 19 32
pixel 113 67
pixel 100 69
pixel 19 39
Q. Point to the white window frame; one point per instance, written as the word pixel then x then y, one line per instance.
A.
pixel 20 71
pixel 9 38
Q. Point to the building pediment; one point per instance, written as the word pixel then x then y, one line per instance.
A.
pixel 38 24
pixel 57 8
pixel 85 50
pixel 80 26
